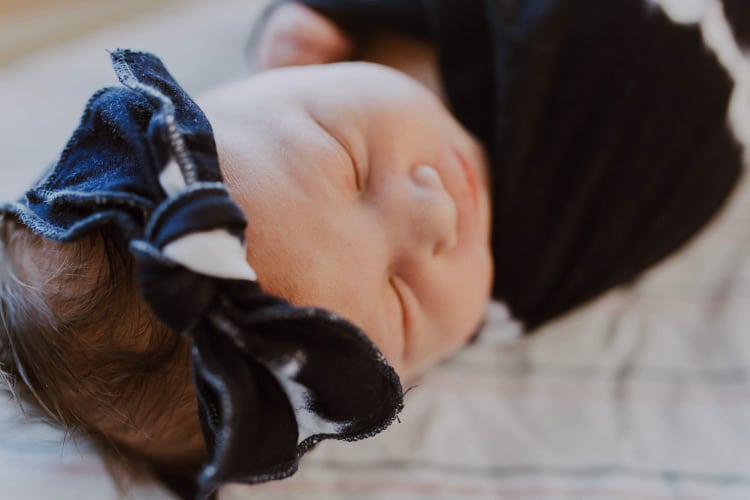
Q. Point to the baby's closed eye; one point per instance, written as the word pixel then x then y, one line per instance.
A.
pixel 341 142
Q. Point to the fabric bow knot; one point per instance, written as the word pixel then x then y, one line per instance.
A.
pixel 272 379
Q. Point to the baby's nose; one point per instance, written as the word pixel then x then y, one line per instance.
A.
pixel 434 212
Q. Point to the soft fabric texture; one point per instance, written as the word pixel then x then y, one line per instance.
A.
pixel 271 379
pixel 605 122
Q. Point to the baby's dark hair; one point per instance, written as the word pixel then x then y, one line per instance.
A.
pixel 80 348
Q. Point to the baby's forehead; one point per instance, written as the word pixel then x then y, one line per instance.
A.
pixel 356 84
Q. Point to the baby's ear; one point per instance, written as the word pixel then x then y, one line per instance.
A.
pixel 293 34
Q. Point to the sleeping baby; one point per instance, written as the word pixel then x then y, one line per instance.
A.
pixel 211 290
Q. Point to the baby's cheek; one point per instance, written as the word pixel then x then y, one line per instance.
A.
pixel 465 304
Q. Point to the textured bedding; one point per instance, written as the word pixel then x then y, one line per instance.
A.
pixel 643 394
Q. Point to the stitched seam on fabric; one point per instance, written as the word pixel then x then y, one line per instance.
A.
pixel 52 173
pixel 176 140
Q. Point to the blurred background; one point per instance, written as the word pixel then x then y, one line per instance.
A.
pixel 53 56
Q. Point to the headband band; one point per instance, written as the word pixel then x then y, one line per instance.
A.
pixel 272 379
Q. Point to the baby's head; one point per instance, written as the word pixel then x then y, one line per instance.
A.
pixel 364 196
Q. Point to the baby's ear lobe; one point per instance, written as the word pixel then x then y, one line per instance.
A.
pixel 293 35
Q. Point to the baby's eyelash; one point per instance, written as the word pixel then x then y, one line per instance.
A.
pixel 358 178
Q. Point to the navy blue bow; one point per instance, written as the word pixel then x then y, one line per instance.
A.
pixel 272 379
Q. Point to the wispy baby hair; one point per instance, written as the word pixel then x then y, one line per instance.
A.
pixel 78 346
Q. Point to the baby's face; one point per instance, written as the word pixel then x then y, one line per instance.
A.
pixel 364 196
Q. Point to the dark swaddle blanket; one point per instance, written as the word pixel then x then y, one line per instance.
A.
pixel 606 125
pixel 271 379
